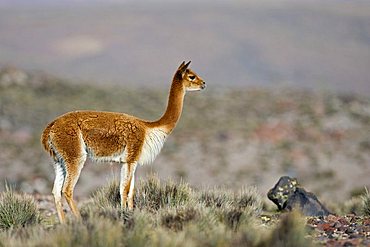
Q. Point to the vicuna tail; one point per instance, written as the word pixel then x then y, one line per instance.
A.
pixel 45 138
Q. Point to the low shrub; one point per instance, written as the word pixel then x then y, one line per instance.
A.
pixel 290 232
pixel 351 206
pixel 142 231
pixel 216 197
pixel 247 199
pixel 366 203
pixel 17 210
pixel 95 232
pixel 153 195
pixel 232 218
pixel 108 196
pixel 232 208
pixel 150 194
pixel 176 219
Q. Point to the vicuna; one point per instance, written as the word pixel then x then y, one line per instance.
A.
pixel 112 137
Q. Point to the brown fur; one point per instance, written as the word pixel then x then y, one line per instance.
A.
pixel 70 138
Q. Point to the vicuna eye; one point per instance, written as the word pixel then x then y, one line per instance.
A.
pixel 192 77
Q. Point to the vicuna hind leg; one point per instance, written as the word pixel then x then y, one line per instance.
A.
pixel 60 175
pixel 131 192
pixel 70 151
pixel 74 170
pixel 127 180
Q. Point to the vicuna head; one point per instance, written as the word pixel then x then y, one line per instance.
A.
pixel 190 81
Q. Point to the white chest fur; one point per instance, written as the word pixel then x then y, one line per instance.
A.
pixel 153 143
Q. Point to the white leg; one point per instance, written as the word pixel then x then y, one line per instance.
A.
pixel 132 187
pixel 123 184
pixel 60 175
pixel 127 172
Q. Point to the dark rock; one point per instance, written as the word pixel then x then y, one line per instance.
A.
pixel 282 191
pixel 288 196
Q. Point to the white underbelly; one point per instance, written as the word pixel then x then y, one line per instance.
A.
pixel 153 143
pixel 119 158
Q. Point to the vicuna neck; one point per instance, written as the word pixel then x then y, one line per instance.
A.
pixel 174 107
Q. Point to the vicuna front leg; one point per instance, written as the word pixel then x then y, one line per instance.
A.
pixel 127 185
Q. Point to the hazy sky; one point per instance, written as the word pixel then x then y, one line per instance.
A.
pixel 260 43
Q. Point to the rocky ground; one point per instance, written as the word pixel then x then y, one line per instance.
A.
pixel 349 230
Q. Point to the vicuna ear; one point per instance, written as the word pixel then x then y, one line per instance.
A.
pixel 183 67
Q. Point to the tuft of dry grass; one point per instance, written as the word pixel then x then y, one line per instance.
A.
pixel 108 196
pixel 216 197
pixel 366 203
pixel 246 199
pixel 17 210
pixel 175 219
pixel 290 232
pixel 95 232
pixel 153 195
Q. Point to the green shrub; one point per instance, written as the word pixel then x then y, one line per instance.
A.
pixel 17 210
pixel 141 233
pixel 108 196
pixel 94 232
pixel 351 206
pixel 175 219
pixel 232 218
pixel 217 235
pixel 232 208
pixel 247 199
pixel 366 203
pixel 290 232
pixel 89 212
pixel 1 243
pixel 106 204
pixel 217 198
pixel 152 195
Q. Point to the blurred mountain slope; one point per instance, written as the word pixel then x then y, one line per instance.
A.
pixel 226 138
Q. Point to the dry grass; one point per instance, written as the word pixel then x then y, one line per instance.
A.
pixel 290 232
pixel 17 210
pixel 166 214
pixel 184 217
pixel 366 203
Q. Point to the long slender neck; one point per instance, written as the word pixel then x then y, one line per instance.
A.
pixel 174 107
